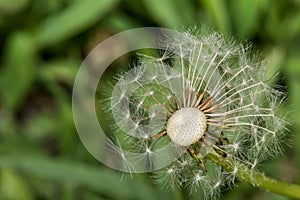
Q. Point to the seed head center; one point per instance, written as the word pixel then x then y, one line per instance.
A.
pixel 186 126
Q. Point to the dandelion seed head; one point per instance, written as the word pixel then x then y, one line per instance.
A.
pixel 205 93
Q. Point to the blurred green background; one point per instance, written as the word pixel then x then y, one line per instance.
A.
pixel 42 44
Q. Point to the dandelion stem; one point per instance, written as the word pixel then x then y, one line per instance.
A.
pixel 255 178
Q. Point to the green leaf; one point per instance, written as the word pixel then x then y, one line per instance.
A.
pixel 171 13
pixel 293 65
pixel 19 72
pixel 292 26
pixel 41 125
pixel 99 179
pixel 12 6
pixel 120 22
pixel 218 12
pixel 12 186
pixel 77 17
pixel 275 58
pixel 292 69
pixel 246 15
pixel 294 88
pixel 59 70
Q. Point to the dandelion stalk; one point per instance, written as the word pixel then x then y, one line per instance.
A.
pixel 255 178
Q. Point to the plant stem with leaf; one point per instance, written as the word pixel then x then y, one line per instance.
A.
pixel 255 178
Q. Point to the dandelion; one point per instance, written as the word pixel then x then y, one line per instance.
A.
pixel 211 101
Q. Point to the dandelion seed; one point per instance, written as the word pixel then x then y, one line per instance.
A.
pixel 235 170
pixel 236 146
pixel 217 184
pixel 170 171
pixel 148 151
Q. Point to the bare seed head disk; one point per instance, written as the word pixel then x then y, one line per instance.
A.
pixel 186 126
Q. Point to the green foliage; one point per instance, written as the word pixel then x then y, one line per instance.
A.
pixel 73 174
pixel 166 12
pixel 42 45
pixel 76 18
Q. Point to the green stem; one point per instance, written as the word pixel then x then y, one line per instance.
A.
pixel 255 178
